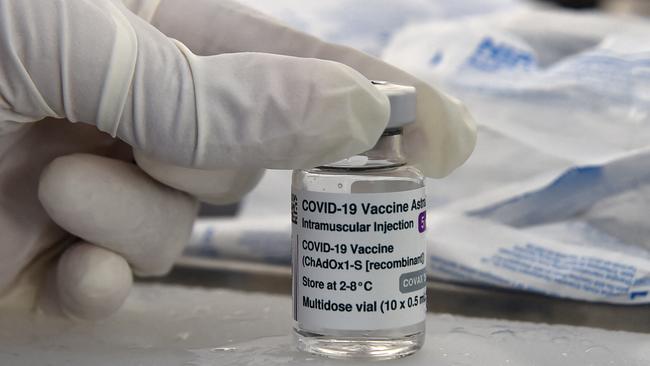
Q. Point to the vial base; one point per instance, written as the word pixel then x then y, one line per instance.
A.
pixel 370 345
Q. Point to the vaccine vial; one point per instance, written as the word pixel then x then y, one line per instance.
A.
pixel 359 253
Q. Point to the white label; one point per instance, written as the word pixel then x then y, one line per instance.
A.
pixel 359 259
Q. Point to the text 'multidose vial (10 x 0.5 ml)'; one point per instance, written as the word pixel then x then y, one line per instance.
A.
pixel 359 280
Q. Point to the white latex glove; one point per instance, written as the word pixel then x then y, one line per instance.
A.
pixel 230 115
pixel 443 136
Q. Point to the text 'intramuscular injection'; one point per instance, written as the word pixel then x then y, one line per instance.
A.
pixel 359 280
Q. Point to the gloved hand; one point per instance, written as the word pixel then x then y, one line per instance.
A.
pixel 199 126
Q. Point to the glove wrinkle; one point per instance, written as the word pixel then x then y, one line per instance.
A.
pixel 17 88
pixel 119 73
pixel 197 149
pixel 145 9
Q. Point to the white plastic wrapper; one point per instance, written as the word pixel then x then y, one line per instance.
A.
pixel 553 199
pixel 368 26
pixel 556 197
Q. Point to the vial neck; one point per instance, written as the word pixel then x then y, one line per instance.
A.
pixel 386 153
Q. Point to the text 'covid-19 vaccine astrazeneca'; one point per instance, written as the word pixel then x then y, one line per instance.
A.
pixel 359 252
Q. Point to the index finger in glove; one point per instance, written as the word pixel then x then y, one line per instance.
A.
pixel 96 62
pixel 444 134
pixel 115 205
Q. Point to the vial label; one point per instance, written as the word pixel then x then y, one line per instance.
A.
pixel 358 259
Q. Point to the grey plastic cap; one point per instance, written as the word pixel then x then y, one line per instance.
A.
pixel 402 103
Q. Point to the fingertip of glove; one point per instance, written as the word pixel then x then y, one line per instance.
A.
pixel 53 180
pixel 92 282
pixel 367 107
pixel 346 115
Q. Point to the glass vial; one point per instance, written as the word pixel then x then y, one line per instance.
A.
pixel 359 280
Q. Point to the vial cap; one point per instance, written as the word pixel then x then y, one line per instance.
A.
pixel 402 103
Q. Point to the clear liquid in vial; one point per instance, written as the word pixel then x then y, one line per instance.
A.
pixel 369 176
